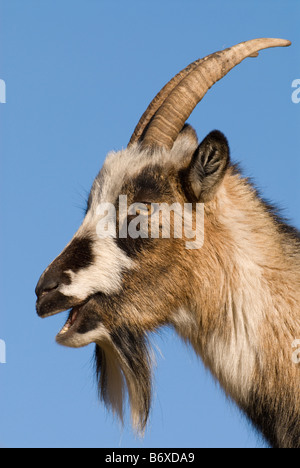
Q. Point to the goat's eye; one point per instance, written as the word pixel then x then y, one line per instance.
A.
pixel 143 208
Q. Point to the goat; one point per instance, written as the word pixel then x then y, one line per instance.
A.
pixel 235 300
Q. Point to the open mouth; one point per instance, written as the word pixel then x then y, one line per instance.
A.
pixel 54 303
pixel 81 316
pixel 72 318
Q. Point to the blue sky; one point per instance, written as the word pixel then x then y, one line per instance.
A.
pixel 79 73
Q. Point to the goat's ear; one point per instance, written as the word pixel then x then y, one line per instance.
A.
pixel 207 168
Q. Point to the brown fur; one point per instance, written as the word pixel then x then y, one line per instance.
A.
pixel 236 300
pixel 202 281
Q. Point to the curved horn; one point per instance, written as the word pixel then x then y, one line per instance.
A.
pixel 159 99
pixel 170 109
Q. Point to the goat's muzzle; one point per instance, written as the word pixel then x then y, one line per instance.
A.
pixel 50 300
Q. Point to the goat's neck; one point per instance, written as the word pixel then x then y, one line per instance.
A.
pixel 245 316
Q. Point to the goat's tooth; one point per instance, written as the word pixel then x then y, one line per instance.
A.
pixel 64 329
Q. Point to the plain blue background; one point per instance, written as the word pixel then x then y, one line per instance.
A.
pixel 79 73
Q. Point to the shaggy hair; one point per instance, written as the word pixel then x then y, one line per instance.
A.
pixel 235 300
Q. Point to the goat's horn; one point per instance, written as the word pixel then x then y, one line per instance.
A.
pixel 169 110
pixel 159 99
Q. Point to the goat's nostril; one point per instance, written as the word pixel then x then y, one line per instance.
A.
pixel 51 285
pixel 49 288
pixel 45 286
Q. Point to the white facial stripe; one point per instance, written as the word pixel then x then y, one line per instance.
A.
pixel 117 168
pixel 128 163
pixel 104 275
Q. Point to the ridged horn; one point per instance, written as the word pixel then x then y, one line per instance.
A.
pixel 159 99
pixel 166 115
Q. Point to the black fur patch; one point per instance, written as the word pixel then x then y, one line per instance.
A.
pixel 207 168
pixel 78 255
pixel 133 360
pixel 132 247
pixel 278 423
pixel 54 300
pixel 150 186
pixel 89 323
pixel 130 343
